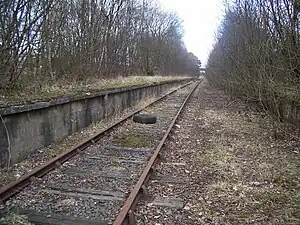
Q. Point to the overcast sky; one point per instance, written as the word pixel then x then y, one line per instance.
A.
pixel 201 18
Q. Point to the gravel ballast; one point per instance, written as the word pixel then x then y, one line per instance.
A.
pixel 233 169
pixel 93 184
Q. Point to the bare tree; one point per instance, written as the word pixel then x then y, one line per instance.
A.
pixel 45 41
pixel 256 55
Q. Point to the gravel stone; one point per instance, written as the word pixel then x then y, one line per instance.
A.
pixel 236 171
pixel 52 192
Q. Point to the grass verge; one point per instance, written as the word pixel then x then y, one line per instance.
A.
pixel 253 175
pixel 23 95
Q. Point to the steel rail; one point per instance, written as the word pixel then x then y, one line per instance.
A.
pixel 14 187
pixel 125 215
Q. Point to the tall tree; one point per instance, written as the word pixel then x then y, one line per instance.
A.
pixel 54 40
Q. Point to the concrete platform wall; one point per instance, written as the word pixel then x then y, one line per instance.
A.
pixel 34 126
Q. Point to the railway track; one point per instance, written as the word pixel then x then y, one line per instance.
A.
pixel 101 180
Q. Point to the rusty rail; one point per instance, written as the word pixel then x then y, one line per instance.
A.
pixel 126 215
pixel 14 187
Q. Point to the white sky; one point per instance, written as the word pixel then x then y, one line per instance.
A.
pixel 200 19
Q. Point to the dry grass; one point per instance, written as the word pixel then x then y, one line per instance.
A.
pixel 249 176
pixel 132 140
pixel 22 95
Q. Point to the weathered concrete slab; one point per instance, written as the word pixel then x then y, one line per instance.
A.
pixel 118 148
pixel 168 202
pixel 85 194
pixel 56 219
pixel 108 174
pixel 174 164
pixel 66 188
pixel 168 179
pixel 112 158
pixel 119 160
